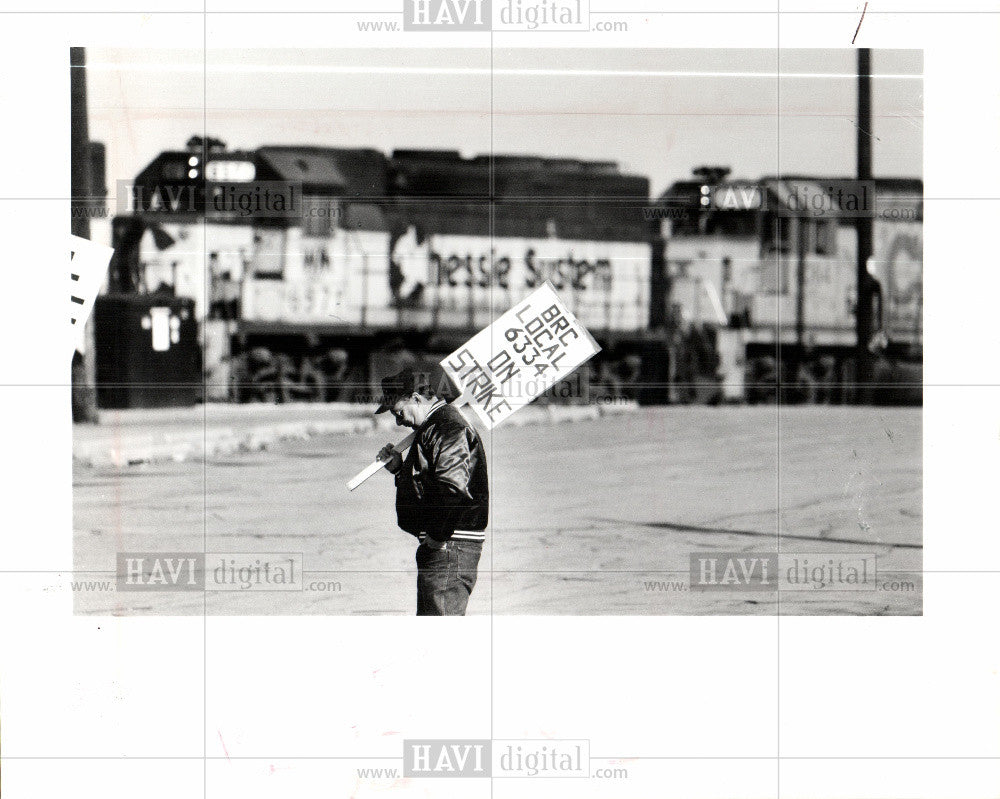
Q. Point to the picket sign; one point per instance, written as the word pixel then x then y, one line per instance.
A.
pixel 505 366
pixel 88 266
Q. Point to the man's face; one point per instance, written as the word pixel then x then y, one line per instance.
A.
pixel 407 411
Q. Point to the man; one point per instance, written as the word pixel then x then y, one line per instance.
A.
pixel 442 488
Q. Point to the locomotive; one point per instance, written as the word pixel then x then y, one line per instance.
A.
pixel 770 267
pixel 314 270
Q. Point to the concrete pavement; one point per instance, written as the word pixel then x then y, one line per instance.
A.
pixel 598 517
pixel 144 435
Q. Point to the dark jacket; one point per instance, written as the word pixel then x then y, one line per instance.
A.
pixel 442 485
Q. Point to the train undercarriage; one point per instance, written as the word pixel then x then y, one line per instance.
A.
pixel 261 363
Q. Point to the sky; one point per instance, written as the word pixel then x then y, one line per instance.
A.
pixel 658 113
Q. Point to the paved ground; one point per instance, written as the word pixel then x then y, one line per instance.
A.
pixel 140 435
pixel 592 517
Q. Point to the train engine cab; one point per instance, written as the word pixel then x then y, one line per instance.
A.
pixel 767 269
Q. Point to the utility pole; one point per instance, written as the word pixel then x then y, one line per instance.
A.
pixel 800 229
pixel 83 370
pixel 863 314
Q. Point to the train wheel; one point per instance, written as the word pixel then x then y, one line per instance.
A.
pixel 762 380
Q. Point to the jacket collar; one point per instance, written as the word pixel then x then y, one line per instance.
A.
pixel 434 409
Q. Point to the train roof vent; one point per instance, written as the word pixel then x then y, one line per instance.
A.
pixel 315 170
pixel 427 155
pixel 601 167
pixel 516 161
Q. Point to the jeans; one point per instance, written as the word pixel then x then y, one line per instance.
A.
pixel 446 576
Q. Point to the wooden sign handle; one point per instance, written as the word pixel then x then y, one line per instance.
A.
pixel 374 466
pixel 401 447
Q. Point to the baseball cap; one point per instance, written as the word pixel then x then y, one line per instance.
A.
pixel 419 377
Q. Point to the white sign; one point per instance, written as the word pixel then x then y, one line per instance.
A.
pixel 604 283
pixel 537 343
pixel 230 171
